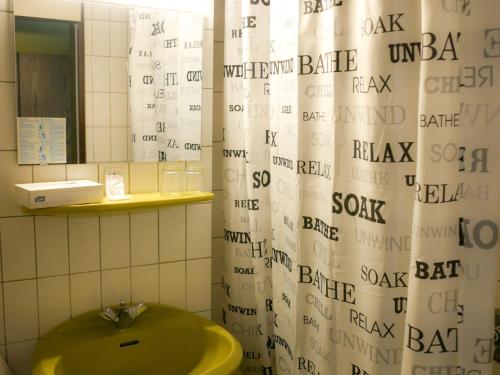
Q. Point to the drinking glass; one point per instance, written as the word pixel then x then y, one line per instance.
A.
pixel 172 181
pixel 195 179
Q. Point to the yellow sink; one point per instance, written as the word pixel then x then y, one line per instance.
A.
pixel 163 340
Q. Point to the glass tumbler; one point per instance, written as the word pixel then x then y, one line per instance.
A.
pixel 172 181
pixel 195 179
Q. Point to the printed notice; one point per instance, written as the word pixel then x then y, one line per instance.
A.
pixel 41 140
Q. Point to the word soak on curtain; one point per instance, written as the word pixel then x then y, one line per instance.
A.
pixel 164 94
pixel 361 175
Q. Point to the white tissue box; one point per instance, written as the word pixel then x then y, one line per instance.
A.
pixel 60 193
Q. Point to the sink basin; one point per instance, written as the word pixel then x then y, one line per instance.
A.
pixel 163 340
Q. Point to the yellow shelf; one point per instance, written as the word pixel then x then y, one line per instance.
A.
pixel 135 201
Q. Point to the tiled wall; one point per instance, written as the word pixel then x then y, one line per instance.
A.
pixel 106 49
pixel 53 267
pixel 218 110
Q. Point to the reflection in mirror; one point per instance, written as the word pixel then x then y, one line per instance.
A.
pixel 107 82
pixel 165 84
pixel 47 82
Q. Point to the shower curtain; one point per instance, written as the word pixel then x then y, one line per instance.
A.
pixel 164 94
pixel 361 185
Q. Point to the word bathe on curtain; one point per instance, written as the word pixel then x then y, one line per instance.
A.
pixel 361 176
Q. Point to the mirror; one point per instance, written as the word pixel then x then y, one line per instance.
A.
pixel 107 82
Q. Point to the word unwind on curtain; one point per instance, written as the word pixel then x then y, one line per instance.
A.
pixel 165 56
pixel 361 177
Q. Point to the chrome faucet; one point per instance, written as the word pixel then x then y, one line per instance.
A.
pixel 125 316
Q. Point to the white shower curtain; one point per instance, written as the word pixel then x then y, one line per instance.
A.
pixel 165 57
pixel 361 176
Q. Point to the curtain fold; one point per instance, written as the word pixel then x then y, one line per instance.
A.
pixel 361 175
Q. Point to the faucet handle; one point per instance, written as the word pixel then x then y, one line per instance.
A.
pixel 136 310
pixel 109 314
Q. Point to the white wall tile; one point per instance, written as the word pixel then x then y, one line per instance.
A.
pixel 83 243
pixel 6 5
pixel 17 236
pixel 89 111
pixel 129 144
pixel 206 164
pixel 21 311
pixel 217 259
pixel 88 73
pixel 102 141
pixel 100 74
pixel 173 284
pixel 11 174
pixel 206 117
pixel 7 46
pixel 119 75
pixel 115 240
pixel 87 38
pixel 82 172
pixel 145 284
pixel 118 36
pixel 53 302
pixel 218 117
pixel 144 237
pixel 143 177
pixel 49 173
pixel 208 11
pixel 87 10
pixel 207 314
pixel 218 75
pixel 100 38
pixel 51 245
pixel 208 59
pixel 100 11
pixel 219 20
pixel 123 167
pixel 218 214
pixel 217 303
pixel 119 141
pixel 198 230
pixel 118 13
pixel 101 106
pixel 115 286
pixel 8 140
pixel 85 291
pixel 198 284
pixel 89 145
pixel 19 357
pixel 217 166
pixel 119 109
pixel 172 233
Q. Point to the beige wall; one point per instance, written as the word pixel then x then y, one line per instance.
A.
pixel 54 267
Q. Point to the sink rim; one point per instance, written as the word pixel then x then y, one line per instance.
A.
pixel 47 354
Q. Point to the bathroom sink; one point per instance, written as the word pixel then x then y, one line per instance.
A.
pixel 163 340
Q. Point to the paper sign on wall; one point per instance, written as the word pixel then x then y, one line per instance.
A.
pixel 41 140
